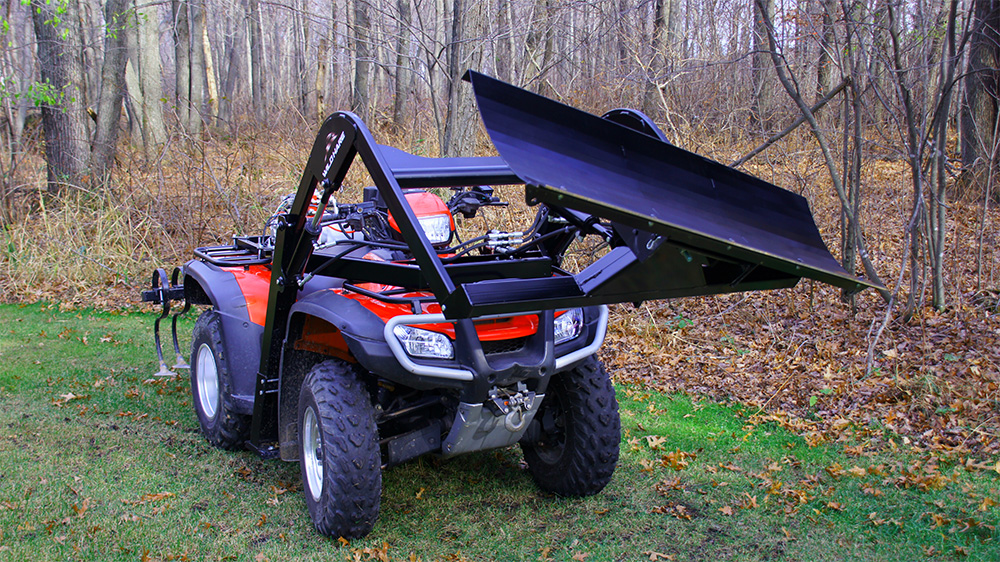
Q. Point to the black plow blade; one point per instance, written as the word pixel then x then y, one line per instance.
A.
pixel 690 225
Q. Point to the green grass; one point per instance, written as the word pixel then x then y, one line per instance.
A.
pixel 99 460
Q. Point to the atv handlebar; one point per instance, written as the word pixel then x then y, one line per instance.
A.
pixel 469 201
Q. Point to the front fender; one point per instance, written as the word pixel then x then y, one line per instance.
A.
pixel 207 284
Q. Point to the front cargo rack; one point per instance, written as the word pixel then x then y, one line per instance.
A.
pixel 244 251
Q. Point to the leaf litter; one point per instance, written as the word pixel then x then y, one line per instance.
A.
pixel 798 359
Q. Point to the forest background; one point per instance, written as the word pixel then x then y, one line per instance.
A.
pixel 133 132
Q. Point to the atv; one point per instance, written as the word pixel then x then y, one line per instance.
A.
pixel 352 337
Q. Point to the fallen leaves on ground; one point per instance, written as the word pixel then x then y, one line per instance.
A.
pixel 799 359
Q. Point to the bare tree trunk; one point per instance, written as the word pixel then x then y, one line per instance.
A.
pixel 133 102
pixel 257 65
pixel 621 35
pixel 538 47
pixel 982 97
pixel 299 45
pixel 938 203
pixel 762 75
pixel 18 67
pixel 150 77
pixel 824 68
pixel 307 77
pixel 198 67
pixel 461 123
pixel 335 66
pixel 322 56
pixel 67 147
pixel 109 110
pixel 362 54
pixel 7 69
pixel 182 61
pixel 90 57
pixel 505 43
pixel 232 86
pixel 402 64
pixel 850 235
pixel 666 21
pixel 206 50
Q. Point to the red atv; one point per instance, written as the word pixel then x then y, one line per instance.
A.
pixel 355 336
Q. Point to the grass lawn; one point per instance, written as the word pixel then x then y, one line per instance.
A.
pixel 99 460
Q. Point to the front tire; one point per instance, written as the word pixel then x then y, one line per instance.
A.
pixel 574 450
pixel 338 451
pixel 212 386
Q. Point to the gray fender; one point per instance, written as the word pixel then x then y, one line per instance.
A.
pixel 207 284
pixel 345 314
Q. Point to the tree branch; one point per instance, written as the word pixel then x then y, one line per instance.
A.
pixel 795 124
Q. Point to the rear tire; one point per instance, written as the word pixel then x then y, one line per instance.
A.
pixel 212 386
pixel 339 453
pixel 575 448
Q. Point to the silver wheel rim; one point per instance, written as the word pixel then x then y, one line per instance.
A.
pixel 312 452
pixel 208 381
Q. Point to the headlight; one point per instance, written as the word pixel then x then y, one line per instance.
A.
pixel 568 325
pixel 424 343
pixel 436 227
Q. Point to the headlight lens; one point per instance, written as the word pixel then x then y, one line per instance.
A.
pixel 424 343
pixel 436 227
pixel 568 325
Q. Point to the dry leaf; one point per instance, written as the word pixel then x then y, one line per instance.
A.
pixel 648 465
pixel 655 441
pixel 677 460
pixel 869 490
pixel 82 508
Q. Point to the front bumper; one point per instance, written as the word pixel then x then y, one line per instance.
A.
pixel 461 373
